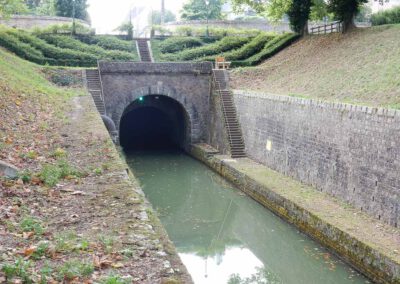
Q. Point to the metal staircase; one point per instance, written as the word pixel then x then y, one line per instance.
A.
pixel 95 89
pixel 144 50
pixel 235 136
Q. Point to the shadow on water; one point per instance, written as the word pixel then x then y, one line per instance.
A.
pixel 223 236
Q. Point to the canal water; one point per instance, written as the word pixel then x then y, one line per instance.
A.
pixel 223 236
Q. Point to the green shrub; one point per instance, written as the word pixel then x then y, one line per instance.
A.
pixel 270 49
pixel 30 224
pixel 70 43
pixel 108 42
pixel 247 50
pixel 21 268
pixel 227 43
pixel 62 56
pixel 175 44
pixel 51 174
pixel 214 32
pixel 390 16
pixel 160 30
pixel 74 269
pixel 64 29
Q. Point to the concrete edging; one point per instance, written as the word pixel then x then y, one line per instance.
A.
pixel 375 264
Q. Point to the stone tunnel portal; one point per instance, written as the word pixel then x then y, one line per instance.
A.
pixel 154 122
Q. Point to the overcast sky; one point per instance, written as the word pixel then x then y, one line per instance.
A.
pixel 107 15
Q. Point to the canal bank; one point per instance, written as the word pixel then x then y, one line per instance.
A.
pixel 115 206
pixel 367 244
pixel 224 236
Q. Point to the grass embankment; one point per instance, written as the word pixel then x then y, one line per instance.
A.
pixel 64 50
pixel 70 216
pixel 361 67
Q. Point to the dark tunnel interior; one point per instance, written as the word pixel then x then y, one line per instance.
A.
pixel 153 123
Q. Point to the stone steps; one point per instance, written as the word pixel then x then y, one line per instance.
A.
pixel 144 50
pixel 235 136
pixel 94 86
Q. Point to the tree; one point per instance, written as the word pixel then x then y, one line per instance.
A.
pixel 155 17
pixel 199 10
pixel 299 13
pixel 47 8
pixel 345 11
pixel 32 4
pixel 65 8
pixel 126 28
pixel 9 7
pixel 319 10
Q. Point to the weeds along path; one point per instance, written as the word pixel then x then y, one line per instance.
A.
pixel 74 214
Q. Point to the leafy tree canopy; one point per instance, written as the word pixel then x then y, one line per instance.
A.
pixel 199 10
pixel 299 13
pixel 345 10
pixel 155 17
pixel 64 8
pixel 41 7
pixel 9 7
pixel 126 28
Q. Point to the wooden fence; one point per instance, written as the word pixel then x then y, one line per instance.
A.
pixel 334 27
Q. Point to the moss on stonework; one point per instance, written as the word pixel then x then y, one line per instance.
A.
pixel 369 245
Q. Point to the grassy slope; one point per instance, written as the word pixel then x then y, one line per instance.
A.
pixel 361 67
pixel 48 233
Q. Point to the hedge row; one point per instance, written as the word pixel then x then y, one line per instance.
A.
pixel 74 44
pixel 176 44
pixel 21 49
pixel 247 50
pixel 61 55
pixel 390 16
pixel 28 52
pixel 109 42
pixel 223 45
pixel 270 49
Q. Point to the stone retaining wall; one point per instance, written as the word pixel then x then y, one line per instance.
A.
pixel 351 152
pixel 367 244
pixel 226 24
pixel 29 22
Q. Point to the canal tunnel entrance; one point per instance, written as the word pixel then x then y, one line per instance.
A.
pixel 154 122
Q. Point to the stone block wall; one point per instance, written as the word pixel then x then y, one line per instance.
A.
pixel 236 24
pixel 187 83
pixel 30 22
pixel 351 152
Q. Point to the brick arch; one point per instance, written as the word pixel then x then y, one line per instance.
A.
pixel 193 133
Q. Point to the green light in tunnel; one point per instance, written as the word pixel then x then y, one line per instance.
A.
pixel 141 99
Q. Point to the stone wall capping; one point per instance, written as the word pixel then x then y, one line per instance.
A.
pixel 320 103
pixel 132 67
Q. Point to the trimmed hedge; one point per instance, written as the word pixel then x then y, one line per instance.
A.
pixel 390 16
pixel 247 50
pixel 270 49
pixel 21 49
pixel 109 42
pixel 63 56
pixel 225 44
pixel 176 44
pixel 74 44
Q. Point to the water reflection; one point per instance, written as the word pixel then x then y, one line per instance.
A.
pixel 225 237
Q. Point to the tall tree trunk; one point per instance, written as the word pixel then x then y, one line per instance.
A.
pixel 348 25
pixel 162 12
pixel 305 29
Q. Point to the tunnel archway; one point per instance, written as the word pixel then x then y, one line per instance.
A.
pixel 154 122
